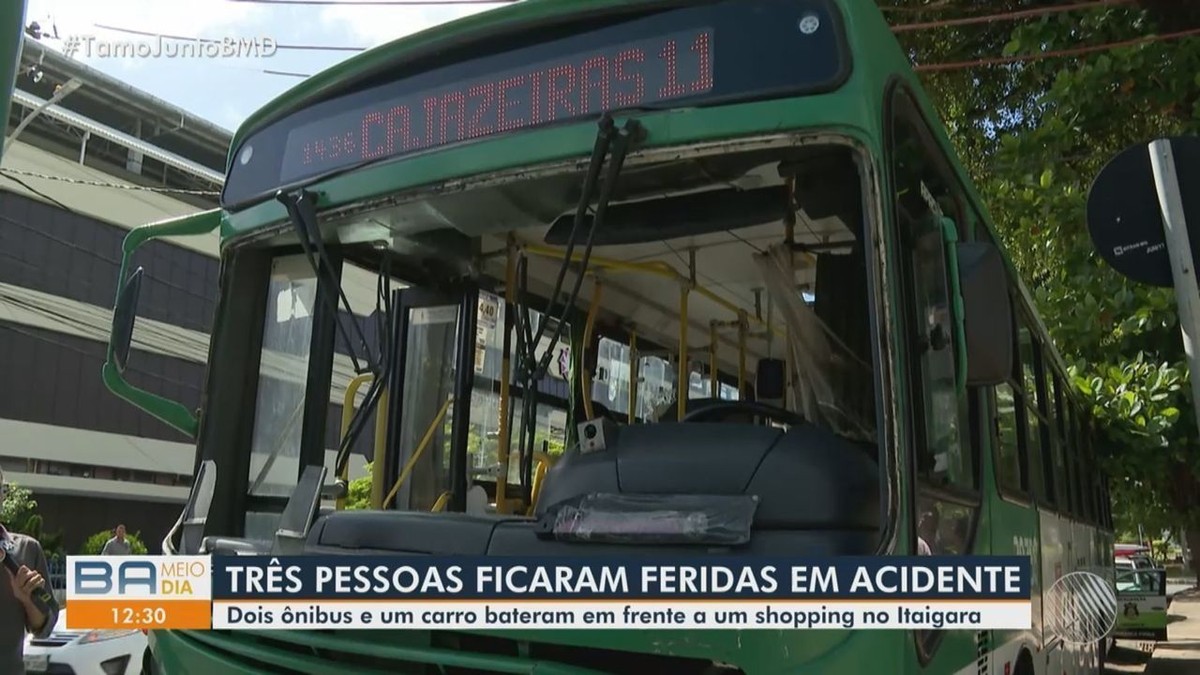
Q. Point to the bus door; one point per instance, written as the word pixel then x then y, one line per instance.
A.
pixel 1141 604
pixel 429 399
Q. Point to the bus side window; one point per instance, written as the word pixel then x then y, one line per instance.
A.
pixel 945 466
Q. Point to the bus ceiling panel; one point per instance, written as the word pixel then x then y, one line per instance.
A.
pixel 674 217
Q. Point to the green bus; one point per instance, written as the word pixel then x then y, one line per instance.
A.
pixel 561 270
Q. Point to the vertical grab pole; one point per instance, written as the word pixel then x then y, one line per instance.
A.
pixel 585 375
pixel 510 276
pixel 347 417
pixel 683 386
pixel 742 326
pixel 378 475
pixel 634 362
pixel 460 419
pixel 714 387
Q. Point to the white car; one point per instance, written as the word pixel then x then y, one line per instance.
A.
pixel 85 652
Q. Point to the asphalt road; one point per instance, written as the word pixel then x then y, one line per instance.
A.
pixel 1176 586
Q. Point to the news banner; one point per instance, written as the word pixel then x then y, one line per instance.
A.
pixel 503 593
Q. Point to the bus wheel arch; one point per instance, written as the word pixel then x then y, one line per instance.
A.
pixel 1024 664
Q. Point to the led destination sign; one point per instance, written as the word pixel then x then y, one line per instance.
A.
pixel 630 75
pixel 703 54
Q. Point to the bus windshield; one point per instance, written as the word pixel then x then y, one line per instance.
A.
pixel 733 277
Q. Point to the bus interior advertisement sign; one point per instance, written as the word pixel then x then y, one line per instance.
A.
pixel 732 50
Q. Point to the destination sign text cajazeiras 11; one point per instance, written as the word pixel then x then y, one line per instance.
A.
pixel 698 55
pixel 628 75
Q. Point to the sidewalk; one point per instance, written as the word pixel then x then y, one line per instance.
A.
pixel 1181 654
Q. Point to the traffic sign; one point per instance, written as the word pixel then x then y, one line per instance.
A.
pixel 1124 216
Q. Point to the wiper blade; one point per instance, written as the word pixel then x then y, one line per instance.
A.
pixel 626 138
pixel 531 369
pixel 302 211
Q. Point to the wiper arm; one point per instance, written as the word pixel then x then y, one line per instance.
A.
pixel 302 211
pixel 626 138
pixel 531 368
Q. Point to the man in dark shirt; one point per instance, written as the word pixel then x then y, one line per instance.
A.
pixel 19 614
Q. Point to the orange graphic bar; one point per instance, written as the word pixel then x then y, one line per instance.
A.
pixel 139 614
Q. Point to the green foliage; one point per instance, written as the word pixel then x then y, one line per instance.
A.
pixel 1033 136
pixel 19 513
pixel 359 490
pixel 95 543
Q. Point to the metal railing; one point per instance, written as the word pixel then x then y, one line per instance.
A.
pixel 58 573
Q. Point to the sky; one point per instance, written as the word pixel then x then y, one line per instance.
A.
pixel 225 90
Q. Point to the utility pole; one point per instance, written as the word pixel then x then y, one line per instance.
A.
pixel 1187 294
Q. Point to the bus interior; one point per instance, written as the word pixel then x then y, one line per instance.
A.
pixel 740 268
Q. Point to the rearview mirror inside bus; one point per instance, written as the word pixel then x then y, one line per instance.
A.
pixel 988 314
pixel 124 315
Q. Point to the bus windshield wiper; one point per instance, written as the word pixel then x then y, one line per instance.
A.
pixel 302 211
pixel 530 368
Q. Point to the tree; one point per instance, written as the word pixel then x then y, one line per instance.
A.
pixel 19 513
pixel 1034 134
pixel 95 543
pixel 359 491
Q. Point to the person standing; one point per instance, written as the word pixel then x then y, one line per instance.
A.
pixel 118 544
pixel 20 613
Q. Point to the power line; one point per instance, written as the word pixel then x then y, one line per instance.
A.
pixel 185 38
pixel 378 3
pixel 95 183
pixel 39 193
pixel 287 73
pixel 1008 16
pixel 1001 60
pixel 934 7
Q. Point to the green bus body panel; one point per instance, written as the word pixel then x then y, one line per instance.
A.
pixel 202 653
pixel 12 31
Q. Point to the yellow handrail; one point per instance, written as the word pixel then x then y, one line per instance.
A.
pixel 412 461
pixel 656 267
pixel 544 462
pixel 347 417
pixel 440 504
pixel 377 464
pixel 510 296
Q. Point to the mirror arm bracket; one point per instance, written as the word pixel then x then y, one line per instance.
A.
pixel 173 413
pixel 958 310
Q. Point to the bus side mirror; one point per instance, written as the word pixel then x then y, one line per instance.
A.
pixel 988 314
pixel 124 316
